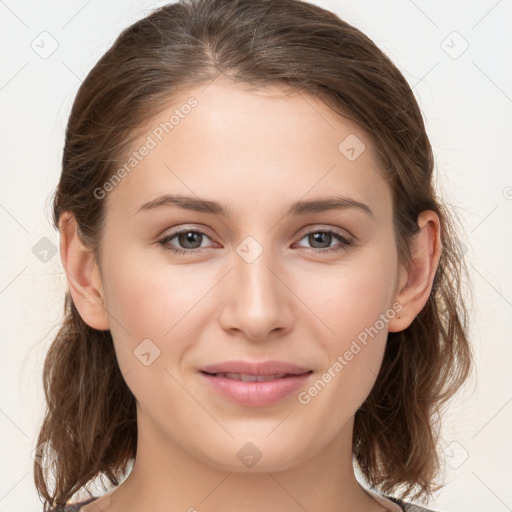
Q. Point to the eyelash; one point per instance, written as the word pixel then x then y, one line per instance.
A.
pixel 346 242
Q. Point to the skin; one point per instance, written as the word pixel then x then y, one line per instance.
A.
pixel 256 152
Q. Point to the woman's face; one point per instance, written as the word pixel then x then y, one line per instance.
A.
pixel 261 283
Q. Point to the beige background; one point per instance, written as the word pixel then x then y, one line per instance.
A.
pixel 46 48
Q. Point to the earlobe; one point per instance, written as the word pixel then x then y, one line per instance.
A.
pixel 425 254
pixel 82 274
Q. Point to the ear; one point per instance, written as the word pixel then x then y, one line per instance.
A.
pixel 415 284
pixel 83 275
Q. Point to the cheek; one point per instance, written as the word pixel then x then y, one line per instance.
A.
pixel 146 302
pixel 151 299
pixel 353 305
pixel 351 297
pixel 146 291
pixel 353 353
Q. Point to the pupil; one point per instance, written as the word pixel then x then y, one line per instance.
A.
pixel 189 237
pixel 318 237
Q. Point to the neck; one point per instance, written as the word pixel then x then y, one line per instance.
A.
pixel 167 478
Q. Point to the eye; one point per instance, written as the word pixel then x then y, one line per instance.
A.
pixel 190 239
pixel 324 238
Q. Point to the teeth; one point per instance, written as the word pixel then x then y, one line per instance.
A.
pixel 249 378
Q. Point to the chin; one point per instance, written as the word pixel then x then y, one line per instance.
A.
pixel 252 457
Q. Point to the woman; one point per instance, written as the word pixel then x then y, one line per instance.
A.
pixel 264 287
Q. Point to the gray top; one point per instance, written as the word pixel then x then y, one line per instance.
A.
pixel 406 507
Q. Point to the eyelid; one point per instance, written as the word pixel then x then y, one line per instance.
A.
pixel 163 239
pixel 314 228
pixel 176 230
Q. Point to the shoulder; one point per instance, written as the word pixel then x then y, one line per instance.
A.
pixel 406 507
pixel 74 507
pixel 409 507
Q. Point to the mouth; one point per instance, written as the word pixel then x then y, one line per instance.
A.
pixel 254 390
pixel 254 378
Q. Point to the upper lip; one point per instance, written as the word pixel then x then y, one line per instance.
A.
pixel 264 368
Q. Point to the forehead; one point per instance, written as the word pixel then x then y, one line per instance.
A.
pixel 249 148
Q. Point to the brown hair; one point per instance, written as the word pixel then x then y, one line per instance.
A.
pixel 90 428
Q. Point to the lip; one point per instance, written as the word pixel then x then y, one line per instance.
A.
pixel 263 368
pixel 256 394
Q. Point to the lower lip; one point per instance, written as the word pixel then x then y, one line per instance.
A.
pixel 256 394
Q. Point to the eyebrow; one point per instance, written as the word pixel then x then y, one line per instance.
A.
pixel 296 209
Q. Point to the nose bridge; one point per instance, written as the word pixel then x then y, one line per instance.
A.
pixel 253 262
pixel 258 302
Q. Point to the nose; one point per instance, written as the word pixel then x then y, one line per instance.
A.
pixel 256 301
